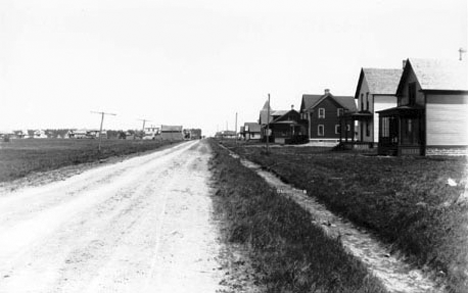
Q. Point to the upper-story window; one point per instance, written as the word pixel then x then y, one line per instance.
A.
pixel 339 112
pixel 412 94
pixel 362 102
pixel 367 101
pixel 321 113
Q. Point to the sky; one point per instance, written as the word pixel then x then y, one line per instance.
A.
pixel 197 63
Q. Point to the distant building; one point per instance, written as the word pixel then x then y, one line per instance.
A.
pixel 172 132
pixel 251 131
pixel 40 134
pixel 150 132
pixel 267 115
pixel 226 134
pixel 192 133
pixel 289 128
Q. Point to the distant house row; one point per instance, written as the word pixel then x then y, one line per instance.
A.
pixel 421 109
pixel 165 132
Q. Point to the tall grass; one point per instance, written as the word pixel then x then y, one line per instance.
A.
pixel 407 201
pixel 289 253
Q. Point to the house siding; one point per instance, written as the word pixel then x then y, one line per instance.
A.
pixel 447 120
pixel 381 103
pixel 362 106
pixel 329 122
pixel 403 99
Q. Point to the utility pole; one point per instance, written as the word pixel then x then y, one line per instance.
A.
pixel 143 128
pixel 268 127
pixel 235 129
pixel 461 51
pixel 100 129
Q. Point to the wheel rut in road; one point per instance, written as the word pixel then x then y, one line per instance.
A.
pixel 140 225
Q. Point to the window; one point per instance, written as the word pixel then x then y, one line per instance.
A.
pixel 320 130
pixel 321 113
pixel 348 127
pixel 367 101
pixel 339 112
pixel 362 102
pixel 337 128
pixel 412 94
pixel 368 129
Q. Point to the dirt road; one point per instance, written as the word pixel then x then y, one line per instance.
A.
pixel 141 225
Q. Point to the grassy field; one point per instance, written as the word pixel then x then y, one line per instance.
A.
pixel 288 252
pixel 21 157
pixel 405 200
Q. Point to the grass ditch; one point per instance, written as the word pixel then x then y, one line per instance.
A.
pixel 21 157
pixel 288 253
pixel 407 201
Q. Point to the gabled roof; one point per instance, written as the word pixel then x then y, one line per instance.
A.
pixel 266 106
pixel 347 102
pixel 280 118
pixel 279 112
pixel 437 74
pixel 311 101
pixel 273 113
pixel 381 81
pixel 253 126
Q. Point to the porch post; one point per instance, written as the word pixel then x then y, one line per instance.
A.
pixel 345 129
pixel 341 122
pixel 399 135
pixel 310 123
pixel 380 130
pixel 352 130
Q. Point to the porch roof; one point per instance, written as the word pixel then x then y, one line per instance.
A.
pixel 401 111
pixel 361 115
pixel 290 122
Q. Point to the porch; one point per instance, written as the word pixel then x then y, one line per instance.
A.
pixel 355 141
pixel 288 132
pixel 401 131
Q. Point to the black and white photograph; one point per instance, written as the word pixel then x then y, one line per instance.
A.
pixel 216 146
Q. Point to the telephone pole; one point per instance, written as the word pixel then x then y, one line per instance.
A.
pixel 143 128
pixel 268 127
pixel 144 121
pixel 461 51
pixel 235 129
pixel 100 129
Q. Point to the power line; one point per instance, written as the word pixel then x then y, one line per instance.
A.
pixel 102 122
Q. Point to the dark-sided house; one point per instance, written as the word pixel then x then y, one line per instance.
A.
pixel 288 128
pixel 267 110
pixel 267 115
pixel 323 112
pixel 431 114
pixel 376 91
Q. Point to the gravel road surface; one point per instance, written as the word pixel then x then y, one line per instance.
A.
pixel 141 225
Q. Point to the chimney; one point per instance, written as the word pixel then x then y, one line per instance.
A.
pixel 292 107
pixel 327 91
pixel 404 63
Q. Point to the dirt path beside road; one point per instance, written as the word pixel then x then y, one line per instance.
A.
pixel 141 225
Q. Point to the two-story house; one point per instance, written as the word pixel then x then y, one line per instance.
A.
pixel 431 114
pixel 323 114
pixel 376 91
